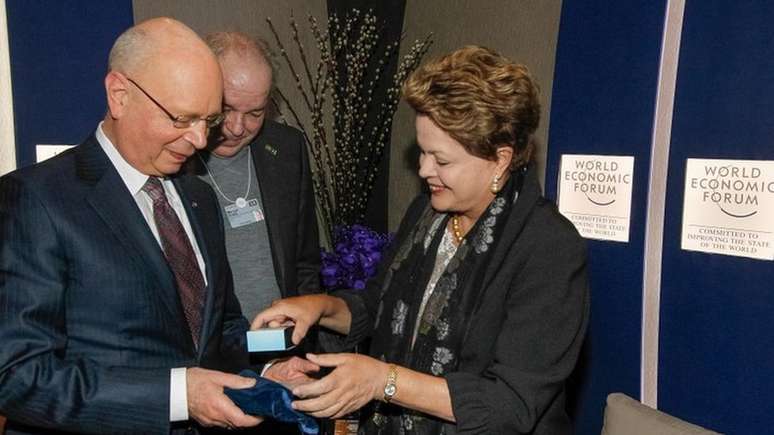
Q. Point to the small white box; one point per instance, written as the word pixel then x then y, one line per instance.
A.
pixel 270 339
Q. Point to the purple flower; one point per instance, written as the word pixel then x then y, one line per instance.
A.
pixel 354 259
pixel 330 270
pixel 349 259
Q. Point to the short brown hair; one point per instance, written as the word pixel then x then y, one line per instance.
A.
pixel 481 99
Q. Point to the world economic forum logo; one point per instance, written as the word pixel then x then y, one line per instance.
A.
pixel 597 180
pixel 734 189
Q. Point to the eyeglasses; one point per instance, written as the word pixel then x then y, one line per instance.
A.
pixel 183 121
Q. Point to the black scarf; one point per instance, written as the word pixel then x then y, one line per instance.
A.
pixel 448 311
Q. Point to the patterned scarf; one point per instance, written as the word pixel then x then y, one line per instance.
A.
pixel 449 310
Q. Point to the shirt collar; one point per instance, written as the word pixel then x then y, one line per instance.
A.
pixel 133 179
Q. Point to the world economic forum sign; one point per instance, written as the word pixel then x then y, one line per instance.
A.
pixel 595 194
pixel 728 207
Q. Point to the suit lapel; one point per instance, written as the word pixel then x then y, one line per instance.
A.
pixel 116 207
pixel 268 173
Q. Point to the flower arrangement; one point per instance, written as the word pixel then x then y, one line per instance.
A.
pixel 346 131
pixel 348 115
pixel 354 258
pixel 347 123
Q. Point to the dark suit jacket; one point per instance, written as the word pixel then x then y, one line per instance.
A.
pixel 282 167
pixel 90 318
pixel 526 333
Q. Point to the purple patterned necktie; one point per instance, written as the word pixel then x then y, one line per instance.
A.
pixel 180 256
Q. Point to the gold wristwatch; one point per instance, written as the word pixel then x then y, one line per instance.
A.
pixel 392 384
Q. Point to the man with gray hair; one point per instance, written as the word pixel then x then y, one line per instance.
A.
pixel 260 172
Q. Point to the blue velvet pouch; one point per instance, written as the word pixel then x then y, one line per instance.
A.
pixel 270 399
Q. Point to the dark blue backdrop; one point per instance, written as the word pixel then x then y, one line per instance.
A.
pixel 716 339
pixel 59 53
pixel 603 103
pixel 716 352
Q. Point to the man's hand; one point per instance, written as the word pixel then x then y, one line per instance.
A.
pixel 291 372
pixel 208 405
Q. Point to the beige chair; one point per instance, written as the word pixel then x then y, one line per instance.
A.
pixel 626 416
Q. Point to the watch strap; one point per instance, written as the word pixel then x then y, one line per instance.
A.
pixel 391 387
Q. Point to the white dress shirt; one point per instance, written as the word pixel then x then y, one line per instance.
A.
pixel 134 181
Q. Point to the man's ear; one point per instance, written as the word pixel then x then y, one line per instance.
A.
pixel 117 94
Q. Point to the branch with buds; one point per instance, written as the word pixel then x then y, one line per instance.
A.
pixel 346 127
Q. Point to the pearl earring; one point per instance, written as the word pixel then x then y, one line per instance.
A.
pixel 495 187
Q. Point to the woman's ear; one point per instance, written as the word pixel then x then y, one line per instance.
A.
pixel 504 159
pixel 117 94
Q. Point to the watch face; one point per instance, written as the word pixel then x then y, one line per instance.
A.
pixel 389 390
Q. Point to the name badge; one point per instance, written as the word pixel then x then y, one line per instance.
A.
pixel 240 216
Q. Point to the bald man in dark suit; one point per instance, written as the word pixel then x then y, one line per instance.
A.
pixel 117 312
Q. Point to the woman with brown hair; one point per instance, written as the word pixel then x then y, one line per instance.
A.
pixel 479 310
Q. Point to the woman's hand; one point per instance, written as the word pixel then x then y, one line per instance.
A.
pixel 301 311
pixel 355 381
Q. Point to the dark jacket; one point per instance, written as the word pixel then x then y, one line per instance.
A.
pixel 527 331
pixel 282 167
pixel 90 318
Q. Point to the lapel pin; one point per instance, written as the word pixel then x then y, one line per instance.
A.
pixel 194 204
pixel 271 149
